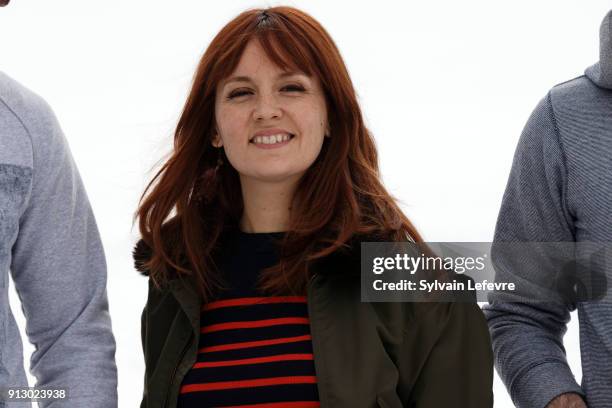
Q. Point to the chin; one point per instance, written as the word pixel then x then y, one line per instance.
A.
pixel 277 176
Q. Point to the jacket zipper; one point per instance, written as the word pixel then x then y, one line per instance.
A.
pixel 176 369
pixel 312 278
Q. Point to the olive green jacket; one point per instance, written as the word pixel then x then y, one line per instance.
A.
pixel 388 355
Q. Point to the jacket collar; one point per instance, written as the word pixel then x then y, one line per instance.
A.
pixel 344 263
pixel 185 292
pixel 346 260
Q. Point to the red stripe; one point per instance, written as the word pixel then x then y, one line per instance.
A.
pixel 254 360
pixel 259 382
pixel 254 323
pixel 253 301
pixel 257 343
pixel 296 404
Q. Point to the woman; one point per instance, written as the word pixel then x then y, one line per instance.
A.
pixel 250 237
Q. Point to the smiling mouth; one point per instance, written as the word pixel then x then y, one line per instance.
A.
pixel 272 139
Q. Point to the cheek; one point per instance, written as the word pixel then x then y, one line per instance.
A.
pixel 313 128
pixel 321 115
pixel 313 118
pixel 223 117
pixel 231 125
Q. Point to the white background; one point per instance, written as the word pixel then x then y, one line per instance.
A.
pixel 445 86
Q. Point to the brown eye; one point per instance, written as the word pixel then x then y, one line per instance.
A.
pixel 294 88
pixel 238 93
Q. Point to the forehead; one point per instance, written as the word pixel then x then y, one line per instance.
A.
pixel 255 62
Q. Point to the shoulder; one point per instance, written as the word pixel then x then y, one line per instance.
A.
pixel 571 99
pixel 29 125
pixel 576 87
pixel 14 134
pixel 577 96
pixel 30 109
pixel 579 110
pixel 429 318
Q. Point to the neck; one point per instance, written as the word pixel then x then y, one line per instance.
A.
pixel 266 205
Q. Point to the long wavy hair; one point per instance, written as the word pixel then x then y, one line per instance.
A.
pixel 188 204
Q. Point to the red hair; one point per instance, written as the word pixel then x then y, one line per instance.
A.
pixel 184 210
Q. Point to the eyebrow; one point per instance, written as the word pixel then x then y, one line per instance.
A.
pixel 248 79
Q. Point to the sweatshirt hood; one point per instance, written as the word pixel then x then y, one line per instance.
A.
pixel 601 72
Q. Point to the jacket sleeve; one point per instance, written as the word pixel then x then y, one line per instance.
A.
pixel 527 338
pixel 141 254
pixel 458 370
pixel 59 270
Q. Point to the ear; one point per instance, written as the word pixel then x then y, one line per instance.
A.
pixel 216 140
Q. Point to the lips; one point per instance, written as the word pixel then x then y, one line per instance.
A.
pixel 271 132
pixel 272 139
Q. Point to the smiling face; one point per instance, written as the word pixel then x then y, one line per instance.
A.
pixel 271 123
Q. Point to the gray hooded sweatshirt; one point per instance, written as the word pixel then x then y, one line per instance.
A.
pixel 559 190
pixel 50 244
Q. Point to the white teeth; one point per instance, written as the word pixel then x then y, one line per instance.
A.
pixel 271 139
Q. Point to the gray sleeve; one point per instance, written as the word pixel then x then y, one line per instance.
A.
pixel 59 270
pixel 528 338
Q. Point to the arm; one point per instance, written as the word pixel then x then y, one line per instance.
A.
pixel 569 400
pixel 59 271
pixel 458 371
pixel 527 338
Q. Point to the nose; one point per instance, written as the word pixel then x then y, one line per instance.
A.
pixel 267 107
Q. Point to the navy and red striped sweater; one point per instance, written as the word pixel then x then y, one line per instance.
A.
pixel 254 351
